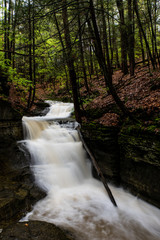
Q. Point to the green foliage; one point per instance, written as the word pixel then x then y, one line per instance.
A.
pixel 11 74
pixel 151 127
pixel 50 57
pixel 157 120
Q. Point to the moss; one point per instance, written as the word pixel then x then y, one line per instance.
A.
pixel 98 131
pixel 95 113
pixel 138 128
pixel 140 145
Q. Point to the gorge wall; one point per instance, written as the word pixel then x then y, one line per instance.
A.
pixel 10 132
pixel 17 187
pixel 140 162
pixel 129 157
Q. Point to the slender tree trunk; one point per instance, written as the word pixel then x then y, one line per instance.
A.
pixel 34 60
pixel 81 50
pixel 142 47
pixel 115 43
pixel 124 37
pixel 105 37
pixel 9 25
pixel 13 35
pixel 153 37
pixel 30 52
pixel 109 34
pixel 155 30
pixel 153 40
pixel 131 37
pixel 5 29
pixel 70 62
pixel 91 58
pixel 64 50
pixel 101 60
pixel 143 33
pixel 17 4
pixel 3 78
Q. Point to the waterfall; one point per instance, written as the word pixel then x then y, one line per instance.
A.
pixel 75 200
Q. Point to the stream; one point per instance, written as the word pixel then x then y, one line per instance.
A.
pixel 75 200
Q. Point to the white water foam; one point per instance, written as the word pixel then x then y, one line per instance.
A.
pixel 75 200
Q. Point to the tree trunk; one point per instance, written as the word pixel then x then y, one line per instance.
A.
pixel 70 62
pixel 115 43
pixel 34 61
pixel 142 47
pixel 8 30
pixel 105 37
pixel 64 50
pixel 131 37
pixel 143 33
pixel 153 37
pixel 5 29
pixel 101 60
pixel 124 42
pixel 81 49
pixel 3 78
pixel 109 31
pixel 30 53
pixel 17 5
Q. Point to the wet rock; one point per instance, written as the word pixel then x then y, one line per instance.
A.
pixel 17 194
pixel 103 143
pixel 140 163
pixel 41 109
pixel 130 157
pixel 34 230
pixel 17 188
pixel 10 132
pixel 7 112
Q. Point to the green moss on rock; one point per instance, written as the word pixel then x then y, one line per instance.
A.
pixel 140 161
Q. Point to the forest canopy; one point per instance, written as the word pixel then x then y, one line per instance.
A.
pixel 68 42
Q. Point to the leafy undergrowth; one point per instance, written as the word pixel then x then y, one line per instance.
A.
pixel 140 94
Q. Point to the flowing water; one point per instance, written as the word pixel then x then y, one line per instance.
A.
pixel 75 200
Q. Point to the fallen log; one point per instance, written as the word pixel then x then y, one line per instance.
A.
pixel 95 164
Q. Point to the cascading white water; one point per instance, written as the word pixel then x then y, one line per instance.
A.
pixel 75 200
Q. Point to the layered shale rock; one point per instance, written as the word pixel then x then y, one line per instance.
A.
pixel 17 188
pixel 128 156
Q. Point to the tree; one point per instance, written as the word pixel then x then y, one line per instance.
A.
pixel 131 37
pixel 124 37
pixel 81 47
pixel 105 38
pixel 102 63
pixel 30 51
pixel 143 33
pixel 153 29
pixel 70 62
